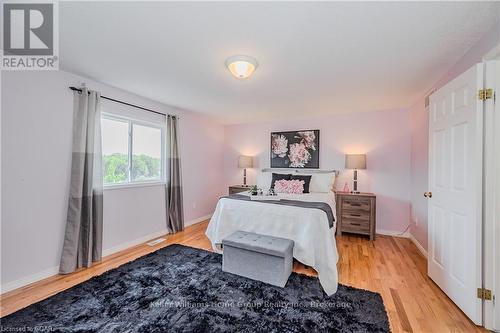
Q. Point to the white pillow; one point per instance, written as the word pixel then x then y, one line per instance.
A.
pixel 322 182
pixel 264 180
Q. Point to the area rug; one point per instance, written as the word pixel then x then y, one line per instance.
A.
pixel 182 289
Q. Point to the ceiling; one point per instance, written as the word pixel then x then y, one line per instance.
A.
pixel 314 58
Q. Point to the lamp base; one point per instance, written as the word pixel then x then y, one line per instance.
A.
pixel 355 183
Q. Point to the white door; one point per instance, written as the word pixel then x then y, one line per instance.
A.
pixel 491 195
pixel 455 181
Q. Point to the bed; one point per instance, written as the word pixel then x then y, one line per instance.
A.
pixel 309 228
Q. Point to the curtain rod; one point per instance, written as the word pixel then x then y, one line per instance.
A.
pixel 129 104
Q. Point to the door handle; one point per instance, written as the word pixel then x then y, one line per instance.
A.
pixel 428 195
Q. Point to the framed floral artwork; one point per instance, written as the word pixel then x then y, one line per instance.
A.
pixel 296 149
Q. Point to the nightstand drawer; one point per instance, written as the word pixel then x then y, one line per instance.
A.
pixel 356 204
pixel 350 225
pixel 358 215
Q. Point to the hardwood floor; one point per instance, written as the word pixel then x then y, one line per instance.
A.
pixel 390 266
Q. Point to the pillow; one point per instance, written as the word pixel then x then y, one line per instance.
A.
pixel 322 182
pixel 279 176
pixel 306 179
pixel 289 186
pixel 264 180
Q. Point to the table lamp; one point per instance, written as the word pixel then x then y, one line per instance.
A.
pixel 356 162
pixel 245 162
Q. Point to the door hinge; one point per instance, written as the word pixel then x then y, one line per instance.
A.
pixel 485 94
pixel 484 294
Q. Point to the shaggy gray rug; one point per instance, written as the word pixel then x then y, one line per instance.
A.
pixel 182 289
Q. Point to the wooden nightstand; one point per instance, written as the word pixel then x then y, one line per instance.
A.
pixel 356 213
pixel 238 188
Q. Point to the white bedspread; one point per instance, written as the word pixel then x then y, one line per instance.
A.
pixel 315 244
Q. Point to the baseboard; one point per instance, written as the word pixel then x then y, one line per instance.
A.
pixel 418 245
pixel 55 270
pixel 198 220
pixel 405 234
pixel 134 242
pixel 29 279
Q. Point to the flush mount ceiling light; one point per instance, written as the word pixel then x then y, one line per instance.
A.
pixel 241 66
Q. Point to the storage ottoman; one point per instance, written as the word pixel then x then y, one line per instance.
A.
pixel 258 257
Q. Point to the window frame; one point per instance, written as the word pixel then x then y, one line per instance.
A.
pixel 130 123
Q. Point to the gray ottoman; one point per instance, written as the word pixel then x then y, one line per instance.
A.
pixel 259 257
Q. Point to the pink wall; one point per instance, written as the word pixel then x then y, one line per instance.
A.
pixel 419 159
pixel 419 134
pixel 383 135
pixel 202 144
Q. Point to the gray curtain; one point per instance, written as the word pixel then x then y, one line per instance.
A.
pixel 175 217
pixel 83 237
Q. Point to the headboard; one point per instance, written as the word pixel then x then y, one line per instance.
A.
pixel 302 171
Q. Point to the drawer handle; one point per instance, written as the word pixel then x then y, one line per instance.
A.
pixel 358 215
pixel 358 224
pixel 355 204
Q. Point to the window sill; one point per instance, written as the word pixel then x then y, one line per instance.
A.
pixel 132 185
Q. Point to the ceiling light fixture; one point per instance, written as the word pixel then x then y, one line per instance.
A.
pixel 241 66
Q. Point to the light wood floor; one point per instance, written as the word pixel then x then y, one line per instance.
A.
pixel 391 266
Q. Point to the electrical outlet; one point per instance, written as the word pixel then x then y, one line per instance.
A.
pixel 194 205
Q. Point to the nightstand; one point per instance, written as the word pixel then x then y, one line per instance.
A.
pixel 238 188
pixel 356 213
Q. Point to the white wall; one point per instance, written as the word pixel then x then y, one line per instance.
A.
pixel 36 134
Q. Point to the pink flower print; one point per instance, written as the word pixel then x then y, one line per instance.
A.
pixel 279 145
pixel 299 155
pixel 308 138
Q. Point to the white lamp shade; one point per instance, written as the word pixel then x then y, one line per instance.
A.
pixel 245 162
pixel 241 66
pixel 355 161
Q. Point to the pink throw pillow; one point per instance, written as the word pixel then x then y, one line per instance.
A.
pixel 289 186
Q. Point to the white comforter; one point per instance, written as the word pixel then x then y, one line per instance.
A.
pixel 308 227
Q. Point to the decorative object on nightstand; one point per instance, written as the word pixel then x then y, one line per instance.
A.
pixel 356 162
pixel 254 190
pixel 356 213
pixel 245 162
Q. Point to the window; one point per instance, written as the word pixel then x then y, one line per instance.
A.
pixel 146 146
pixel 114 151
pixel 132 151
